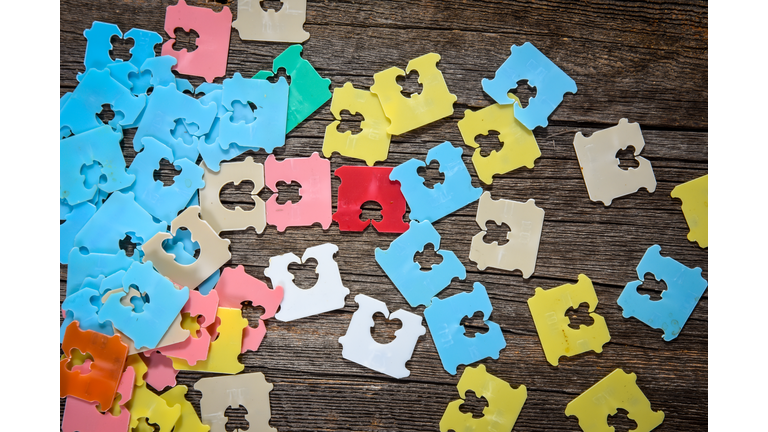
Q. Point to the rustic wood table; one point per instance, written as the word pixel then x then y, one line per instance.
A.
pixel 644 61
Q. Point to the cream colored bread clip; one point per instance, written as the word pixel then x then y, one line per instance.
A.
pixel 525 222
pixel 250 390
pixel 285 25
pixel 214 251
pixel 604 178
pixel 221 218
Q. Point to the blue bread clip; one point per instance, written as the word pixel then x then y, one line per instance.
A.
pixel 418 287
pixel 685 287
pixel 444 321
pixel 454 193
pixel 526 62
pixel 75 221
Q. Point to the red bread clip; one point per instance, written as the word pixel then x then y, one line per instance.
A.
pixel 236 286
pixel 195 347
pixel 209 59
pixel 108 353
pixel 360 184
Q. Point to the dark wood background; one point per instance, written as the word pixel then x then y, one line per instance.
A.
pixel 645 61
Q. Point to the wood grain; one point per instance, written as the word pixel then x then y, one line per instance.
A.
pixel 645 61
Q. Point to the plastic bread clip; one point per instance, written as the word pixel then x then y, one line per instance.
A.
pixel 223 351
pixel 617 390
pixel 214 251
pixel 236 286
pixel 685 286
pixel 119 215
pixel 327 294
pixel 454 347
pixel 388 359
pixel 250 390
pixel 525 222
pixel 262 128
pixel 83 416
pixel 74 222
pixel 221 218
pixel 100 145
pixel 195 347
pixel 147 404
pixel 78 114
pixel 314 175
pixel 101 383
pixel 285 25
pixel 408 113
pixel 417 286
pixel 528 63
pixel 432 204
pixel 371 144
pixel 308 90
pixel 604 178
pixel 504 403
pixel 695 208
pixel 209 59
pixel 188 420
pixel 548 309
pixel 163 202
pixel 362 184
pixel 147 327
pixel 519 145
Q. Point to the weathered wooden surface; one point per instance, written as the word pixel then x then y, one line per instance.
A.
pixel 643 61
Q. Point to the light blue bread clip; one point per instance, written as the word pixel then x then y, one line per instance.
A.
pixel 528 63
pixel 444 321
pixel 210 149
pixel 163 202
pixel 156 72
pixel 83 266
pixel 99 145
pixel 99 44
pixel 118 216
pixel 79 113
pixel 443 199
pixel 264 128
pixel 418 287
pixel 185 257
pixel 147 327
pixel 75 221
pixel 685 287
pixel 80 307
pixel 307 92
pixel 164 106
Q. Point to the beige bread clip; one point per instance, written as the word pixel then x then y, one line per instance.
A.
pixel 525 222
pixel 214 251
pixel 250 390
pixel 221 218
pixel 604 178
pixel 285 25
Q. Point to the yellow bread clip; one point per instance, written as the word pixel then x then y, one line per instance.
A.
pixel 617 390
pixel 372 143
pixel 504 403
pixel 519 146
pixel 695 208
pixel 188 420
pixel 408 113
pixel 139 367
pixel 548 309
pixel 146 403
pixel 223 352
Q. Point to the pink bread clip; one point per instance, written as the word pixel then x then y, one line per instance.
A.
pixel 160 371
pixel 314 175
pixel 83 416
pixel 236 286
pixel 194 349
pixel 209 59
